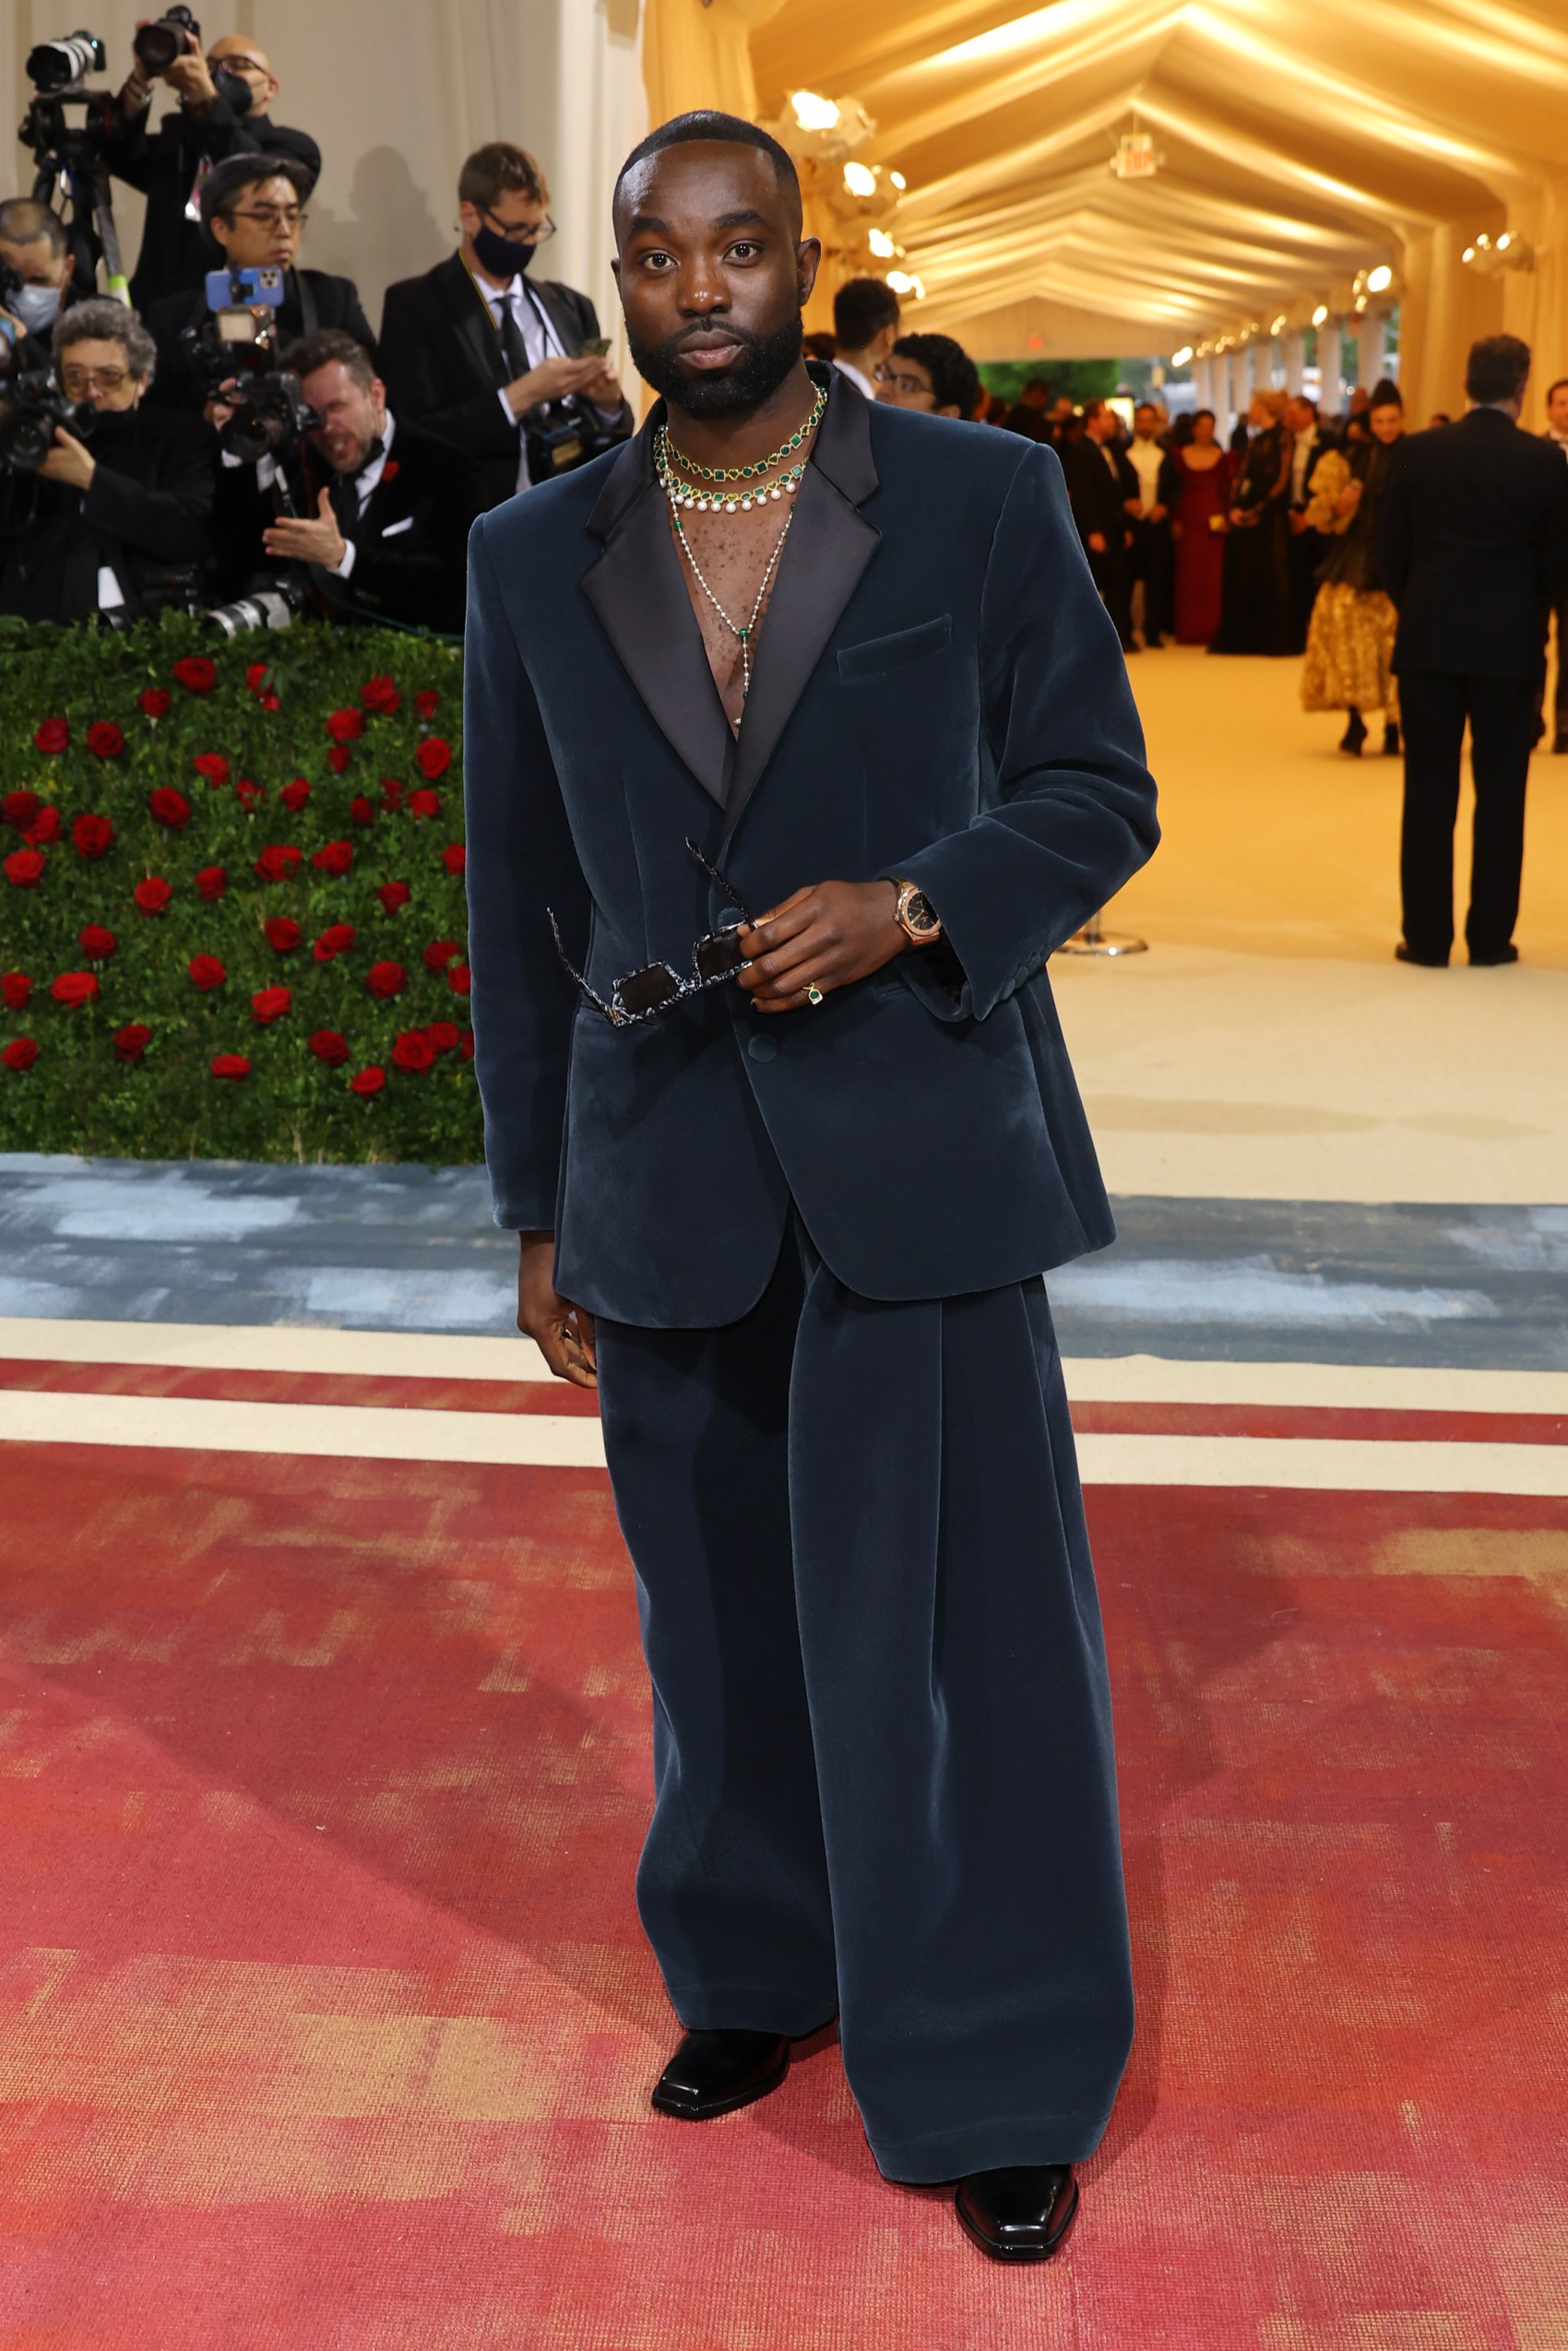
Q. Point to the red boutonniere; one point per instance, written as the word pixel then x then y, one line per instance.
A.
pixel 389 471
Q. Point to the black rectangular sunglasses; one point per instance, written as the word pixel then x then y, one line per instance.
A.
pixel 644 995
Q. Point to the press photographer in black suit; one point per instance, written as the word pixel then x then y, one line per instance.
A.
pixel 389 534
pixel 477 345
pixel 1473 549
pixel 252 211
pixel 223 112
pixel 116 520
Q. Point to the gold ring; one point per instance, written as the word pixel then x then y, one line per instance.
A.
pixel 814 995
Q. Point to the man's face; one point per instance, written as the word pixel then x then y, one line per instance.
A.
pixel 1556 407
pixel 713 275
pixel 263 230
pixel 1297 416
pixel 1032 396
pixel 1145 423
pixel 33 262
pixel 514 215
pixel 1063 410
pixel 908 386
pixel 98 370
pixel 1101 426
pixel 235 54
pixel 351 415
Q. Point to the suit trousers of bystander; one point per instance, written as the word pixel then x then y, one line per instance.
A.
pixel 1501 715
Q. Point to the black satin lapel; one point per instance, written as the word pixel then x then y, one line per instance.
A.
pixel 638 590
pixel 829 545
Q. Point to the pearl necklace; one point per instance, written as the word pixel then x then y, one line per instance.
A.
pixel 686 484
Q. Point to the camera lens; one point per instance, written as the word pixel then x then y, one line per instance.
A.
pixel 55 64
pixel 158 45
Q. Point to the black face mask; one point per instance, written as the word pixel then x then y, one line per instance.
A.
pixel 498 256
pixel 234 89
pixel 765 362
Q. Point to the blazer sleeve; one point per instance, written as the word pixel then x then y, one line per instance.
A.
pixel 1071 804
pixel 521 866
pixel 1394 545
pixel 171 522
pixel 411 333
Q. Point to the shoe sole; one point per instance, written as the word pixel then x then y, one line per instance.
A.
pixel 1013 2254
pixel 708 2111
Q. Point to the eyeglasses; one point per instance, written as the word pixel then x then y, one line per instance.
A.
pixel 911 385
pixel 77 380
pixel 520 233
pixel 274 216
pixel 644 995
pixel 238 65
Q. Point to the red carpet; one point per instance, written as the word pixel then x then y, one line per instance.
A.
pixel 327 2025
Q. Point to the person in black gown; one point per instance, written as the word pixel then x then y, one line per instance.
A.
pixel 1255 599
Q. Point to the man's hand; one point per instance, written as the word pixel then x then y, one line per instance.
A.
pixel 553 378
pixel 189 79
pixel 1297 522
pixel 1157 513
pixel 823 937
pixel 302 541
pixel 1097 542
pixel 68 461
pixel 604 389
pixel 563 1333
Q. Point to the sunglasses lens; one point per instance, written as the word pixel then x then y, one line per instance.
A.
pixel 647 990
pixel 717 958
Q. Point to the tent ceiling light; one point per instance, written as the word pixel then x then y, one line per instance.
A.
pixel 903 283
pixel 1380 279
pixel 882 244
pixel 1183 357
pixel 1320 315
pixel 812 112
pixel 859 179
pixel 1279 325
pixel 899 181
pixel 1135 158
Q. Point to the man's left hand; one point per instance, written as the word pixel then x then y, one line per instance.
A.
pixel 320 541
pixel 824 937
pixel 604 389
pixel 68 461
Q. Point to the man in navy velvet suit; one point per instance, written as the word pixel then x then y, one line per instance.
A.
pixel 797 739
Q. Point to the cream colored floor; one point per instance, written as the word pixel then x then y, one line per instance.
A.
pixel 1268 1046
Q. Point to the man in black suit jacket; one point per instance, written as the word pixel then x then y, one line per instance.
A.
pixel 223 101
pixel 1556 438
pixel 795 1213
pixel 1104 491
pixel 1473 548
pixel 387 538
pixel 477 345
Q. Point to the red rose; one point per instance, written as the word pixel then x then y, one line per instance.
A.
pixel 335 940
pixel 344 726
pixel 170 807
pixel 20 1053
pixel 465 1049
pixel 104 739
pixel 328 1047
pixel 15 990
pixel 391 792
pixel 92 835
pixel 132 1041
pixel 413 1051
pixel 155 700
pixel 454 858
pixel 153 894
pixel 97 943
pixel 338 758
pixel 270 1004
pixel 334 858
pixel 211 883
pixel 277 862
pixel 424 802
pixel 426 702
pixel 206 971
pixel 52 735
pixel 439 954
pixel 294 794
pixel 19 809
pixel 73 988
pixel 459 979
pixel 230 1065
pixel 280 934
pixel 433 757
pixel 393 895
pixel 367 1081
pixel 195 672
pixel 443 1034
pixel 386 978
pixel 24 867
pixel 45 826
pixel 258 678
pixel 213 766
pixel 268 700
pixel 362 810
pixel 381 693
pixel 249 795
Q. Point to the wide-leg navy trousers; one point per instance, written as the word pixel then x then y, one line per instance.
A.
pixel 883 1755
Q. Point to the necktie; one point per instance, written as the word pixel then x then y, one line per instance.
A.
pixel 345 495
pixel 514 350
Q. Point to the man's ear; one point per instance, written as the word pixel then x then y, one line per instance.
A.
pixel 808 261
pixel 218 230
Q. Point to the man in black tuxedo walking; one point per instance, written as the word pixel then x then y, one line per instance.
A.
pixel 1473 548
pixel 1104 491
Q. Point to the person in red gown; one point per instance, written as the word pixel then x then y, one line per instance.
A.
pixel 1204 473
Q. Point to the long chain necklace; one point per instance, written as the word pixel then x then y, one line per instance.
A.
pixel 747 631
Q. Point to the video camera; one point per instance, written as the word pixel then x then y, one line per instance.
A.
pixel 71 157
pixel 234 358
pixel 34 406
pixel 561 435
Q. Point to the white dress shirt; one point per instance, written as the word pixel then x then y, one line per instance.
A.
pixel 365 483
pixel 862 383
pixel 1146 459
pixel 1301 458
pixel 539 341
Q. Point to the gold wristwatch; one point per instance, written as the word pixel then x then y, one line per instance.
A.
pixel 918 918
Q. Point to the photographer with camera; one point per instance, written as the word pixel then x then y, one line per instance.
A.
pixel 35 282
pixel 388 539
pixel 224 97
pixel 105 503
pixel 509 370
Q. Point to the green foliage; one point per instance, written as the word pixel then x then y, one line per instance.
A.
pixel 265 715
pixel 1073 379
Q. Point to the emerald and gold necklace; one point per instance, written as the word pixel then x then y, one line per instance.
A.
pixel 734 489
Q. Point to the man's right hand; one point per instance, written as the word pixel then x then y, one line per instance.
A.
pixel 552 380
pixel 1097 542
pixel 562 1332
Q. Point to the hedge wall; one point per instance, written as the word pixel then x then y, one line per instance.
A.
pixel 231 918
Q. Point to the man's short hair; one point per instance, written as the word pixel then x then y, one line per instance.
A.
pixel 227 182
pixel 955 378
pixel 1094 407
pixel 1497 368
pixel 308 352
pixel 862 308
pixel 705 125
pixel 101 320
pixel 497 169
pixel 1552 389
pixel 1035 384
pixel 1303 401
pixel 23 222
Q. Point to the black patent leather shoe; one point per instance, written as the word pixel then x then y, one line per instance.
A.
pixel 1403 954
pixel 719 2070
pixel 1021 2213
pixel 1509 954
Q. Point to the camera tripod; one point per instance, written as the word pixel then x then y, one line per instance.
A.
pixel 70 162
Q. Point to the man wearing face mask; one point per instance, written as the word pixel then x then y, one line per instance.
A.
pixel 116 519
pixel 477 347
pixel 35 250
pixel 224 99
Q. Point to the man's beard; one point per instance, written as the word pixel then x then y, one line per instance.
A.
pixel 765 362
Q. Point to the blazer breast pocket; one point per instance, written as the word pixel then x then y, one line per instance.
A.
pixel 394 527
pixel 880 654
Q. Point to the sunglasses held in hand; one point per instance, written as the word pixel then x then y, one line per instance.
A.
pixel 644 995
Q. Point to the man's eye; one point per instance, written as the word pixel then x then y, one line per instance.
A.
pixel 744 250
pixel 656 260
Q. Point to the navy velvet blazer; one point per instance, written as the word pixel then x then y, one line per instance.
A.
pixel 938 694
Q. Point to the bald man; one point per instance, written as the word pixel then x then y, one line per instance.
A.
pixel 224 99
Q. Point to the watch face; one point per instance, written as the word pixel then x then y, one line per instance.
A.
pixel 921 913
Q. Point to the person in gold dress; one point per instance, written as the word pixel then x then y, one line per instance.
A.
pixel 1350 643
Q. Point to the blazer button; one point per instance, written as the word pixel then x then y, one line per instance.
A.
pixel 761 1048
